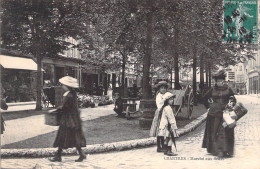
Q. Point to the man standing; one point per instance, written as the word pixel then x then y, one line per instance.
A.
pixel 119 105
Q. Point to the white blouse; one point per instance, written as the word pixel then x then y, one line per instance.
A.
pixel 159 101
pixel 168 118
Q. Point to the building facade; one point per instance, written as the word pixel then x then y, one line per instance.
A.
pixel 253 68
pixel 18 73
pixel 17 77
pixel 253 74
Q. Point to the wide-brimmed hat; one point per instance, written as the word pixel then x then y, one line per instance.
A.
pixel 221 74
pixel 69 81
pixel 168 95
pixel 162 83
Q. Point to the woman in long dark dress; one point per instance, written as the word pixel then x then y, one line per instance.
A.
pixel 70 132
pixel 218 140
pixel 4 106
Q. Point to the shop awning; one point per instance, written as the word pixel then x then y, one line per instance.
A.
pixel 11 62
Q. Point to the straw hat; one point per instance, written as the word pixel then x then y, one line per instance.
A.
pixel 168 95
pixel 162 83
pixel 69 81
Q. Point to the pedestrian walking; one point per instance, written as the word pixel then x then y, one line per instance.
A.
pixel 168 127
pixel 4 106
pixel 70 132
pixel 218 140
pixel 162 87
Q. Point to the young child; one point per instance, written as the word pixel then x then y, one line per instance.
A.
pixel 229 115
pixel 168 127
pixel 162 87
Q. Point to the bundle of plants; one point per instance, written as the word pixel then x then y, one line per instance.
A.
pixel 85 101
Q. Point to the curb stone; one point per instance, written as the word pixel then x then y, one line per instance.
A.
pixel 98 148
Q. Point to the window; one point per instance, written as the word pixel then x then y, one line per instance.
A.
pixel 72 52
pixel 240 79
pixel 231 75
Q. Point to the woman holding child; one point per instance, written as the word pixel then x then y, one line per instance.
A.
pixel 218 140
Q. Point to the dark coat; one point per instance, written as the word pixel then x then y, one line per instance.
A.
pixel 216 137
pixel 220 97
pixel 4 106
pixel 119 106
pixel 70 132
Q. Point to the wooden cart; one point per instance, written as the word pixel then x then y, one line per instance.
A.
pixel 129 107
pixel 184 101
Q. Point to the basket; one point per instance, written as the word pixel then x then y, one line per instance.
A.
pixel 52 118
pixel 240 110
pixel 230 118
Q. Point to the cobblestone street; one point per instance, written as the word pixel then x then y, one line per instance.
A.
pixel 190 153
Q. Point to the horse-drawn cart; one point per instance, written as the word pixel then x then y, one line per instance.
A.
pixel 184 101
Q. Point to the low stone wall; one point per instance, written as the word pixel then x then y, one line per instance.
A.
pixel 99 148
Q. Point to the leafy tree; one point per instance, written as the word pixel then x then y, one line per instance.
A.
pixel 40 27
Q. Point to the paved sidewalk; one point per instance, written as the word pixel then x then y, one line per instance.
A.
pixel 190 153
pixel 37 124
pixel 20 106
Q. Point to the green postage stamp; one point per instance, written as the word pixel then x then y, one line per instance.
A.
pixel 240 21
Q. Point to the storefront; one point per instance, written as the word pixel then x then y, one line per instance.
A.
pixel 90 83
pixel 241 88
pixel 18 76
pixel 56 68
pixel 253 87
pixel 92 79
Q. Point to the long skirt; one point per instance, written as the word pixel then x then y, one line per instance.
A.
pixel 69 138
pixel 2 125
pixel 217 138
pixel 155 124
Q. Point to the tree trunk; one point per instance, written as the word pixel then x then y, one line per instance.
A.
pixel 209 75
pixel 147 58
pixel 108 81
pixel 147 104
pixel 177 85
pixel 105 83
pixel 171 76
pixel 39 83
pixel 194 66
pixel 123 75
pixel 113 81
pixel 202 70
